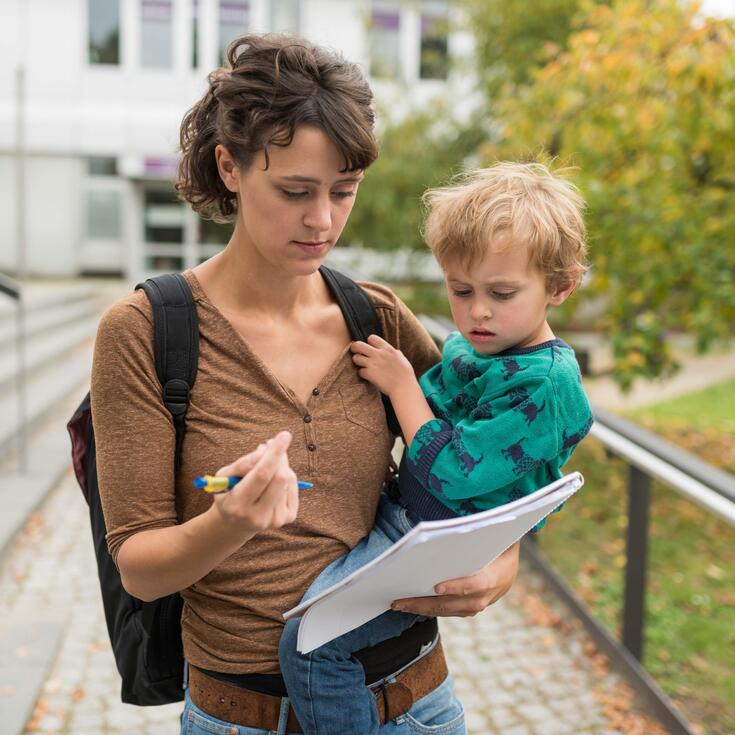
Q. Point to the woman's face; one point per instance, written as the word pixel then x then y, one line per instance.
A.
pixel 292 213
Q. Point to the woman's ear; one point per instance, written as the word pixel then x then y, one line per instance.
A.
pixel 229 171
pixel 562 293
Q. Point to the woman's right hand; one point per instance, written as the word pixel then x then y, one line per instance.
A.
pixel 267 496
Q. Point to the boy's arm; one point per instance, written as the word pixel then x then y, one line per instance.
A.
pixel 501 440
pixel 388 370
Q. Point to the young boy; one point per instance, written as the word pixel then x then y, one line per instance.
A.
pixel 494 421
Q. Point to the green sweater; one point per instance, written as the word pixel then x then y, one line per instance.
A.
pixel 505 425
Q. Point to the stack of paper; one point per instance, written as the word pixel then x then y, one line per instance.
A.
pixel 432 552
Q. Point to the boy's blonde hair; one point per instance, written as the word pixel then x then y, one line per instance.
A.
pixel 506 205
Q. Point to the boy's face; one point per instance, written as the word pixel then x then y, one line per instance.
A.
pixel 501 301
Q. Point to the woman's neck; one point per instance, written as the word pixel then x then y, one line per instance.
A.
pixel 239 280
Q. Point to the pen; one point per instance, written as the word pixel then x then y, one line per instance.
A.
pixel 212 484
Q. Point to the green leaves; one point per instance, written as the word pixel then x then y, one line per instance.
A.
pixel 423 150
pixel 641 99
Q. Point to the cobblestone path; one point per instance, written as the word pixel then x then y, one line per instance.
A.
pixel 515 674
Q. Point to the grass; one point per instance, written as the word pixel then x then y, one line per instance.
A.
pixel 712 408
pixel 690 624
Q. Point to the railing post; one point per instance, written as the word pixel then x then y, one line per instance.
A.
pixel 634 605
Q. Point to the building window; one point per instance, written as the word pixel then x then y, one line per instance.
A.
pixel 102 166
pixel 214 233
pixel 194 34
pixel 385 43
pixel 164 217
pixel 285 16
pixel 234 17
pixel 156 34
pixel 104 31
pixel 103 215
pixel 434 47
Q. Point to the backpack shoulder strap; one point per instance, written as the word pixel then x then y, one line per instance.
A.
pixel 176 345
pixel 362 320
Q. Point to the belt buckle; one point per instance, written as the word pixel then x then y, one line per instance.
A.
pixel 397 699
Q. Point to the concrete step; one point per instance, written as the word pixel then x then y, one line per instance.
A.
pixel 45 388
pixel 40 296
pixel 48 319
pixel 44 349
pixel 48 459
pixel 28 647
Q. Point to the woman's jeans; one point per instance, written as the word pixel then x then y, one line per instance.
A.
pixel 320 682
pixel 438 713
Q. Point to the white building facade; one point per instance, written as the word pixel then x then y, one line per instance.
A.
pixel 92 93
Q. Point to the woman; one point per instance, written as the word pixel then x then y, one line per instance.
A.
pixel 279 143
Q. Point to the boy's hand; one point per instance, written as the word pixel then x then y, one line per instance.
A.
pixel 383 365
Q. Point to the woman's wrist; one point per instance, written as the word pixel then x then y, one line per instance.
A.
pixel 223 527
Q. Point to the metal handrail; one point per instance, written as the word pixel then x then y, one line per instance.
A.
pixel 649 456
pixel 13 289
pixel 655 448
pixel 9 287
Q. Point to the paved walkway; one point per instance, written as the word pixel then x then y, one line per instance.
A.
pixel 697 373
pixel 520 668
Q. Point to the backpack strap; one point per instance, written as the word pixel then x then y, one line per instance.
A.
pixel 176 345
pixel 362 321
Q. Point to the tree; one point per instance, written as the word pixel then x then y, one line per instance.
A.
pixel 642 102
pixel 421 150
pixel 513 38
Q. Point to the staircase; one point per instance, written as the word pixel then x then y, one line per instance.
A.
pixel 41 382
pixel 40 386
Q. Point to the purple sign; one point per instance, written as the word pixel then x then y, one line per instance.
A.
pixel 386 20
pixel 162 168
pixel 234 12
pixel 156 10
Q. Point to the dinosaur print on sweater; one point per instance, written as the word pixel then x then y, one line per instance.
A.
pixel 505 425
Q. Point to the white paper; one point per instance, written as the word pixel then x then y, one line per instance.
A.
pixel 432 552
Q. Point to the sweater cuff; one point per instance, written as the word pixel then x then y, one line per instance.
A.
pixel 428 441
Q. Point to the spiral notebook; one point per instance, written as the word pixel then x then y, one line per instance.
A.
pixel 432 552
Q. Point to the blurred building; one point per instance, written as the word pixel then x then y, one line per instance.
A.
pixel 92 93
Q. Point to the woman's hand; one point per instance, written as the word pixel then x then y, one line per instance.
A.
pixel 382 365
pixel 159 561
pixel 267 496
pixel 468 596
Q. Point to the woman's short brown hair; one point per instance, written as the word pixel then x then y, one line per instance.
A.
pixel 506 205
pixel 271 84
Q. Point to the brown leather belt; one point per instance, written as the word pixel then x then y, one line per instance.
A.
pixel 255 709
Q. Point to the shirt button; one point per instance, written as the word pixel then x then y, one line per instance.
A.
pixel 307 419
pixel 315 392
pixel 311 447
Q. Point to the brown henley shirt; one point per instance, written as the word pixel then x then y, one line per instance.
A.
pixel 231 620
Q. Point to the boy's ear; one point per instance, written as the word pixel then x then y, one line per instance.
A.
pixel 562 293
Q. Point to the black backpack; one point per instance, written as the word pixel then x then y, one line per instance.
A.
pixel 146 636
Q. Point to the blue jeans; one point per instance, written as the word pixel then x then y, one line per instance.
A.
pixel 321 681
pixel 438 713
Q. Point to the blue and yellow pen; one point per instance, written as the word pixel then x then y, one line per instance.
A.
pixel 212 484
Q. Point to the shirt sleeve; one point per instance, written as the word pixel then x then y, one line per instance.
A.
pixel 497 444
pixel 134 433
